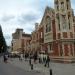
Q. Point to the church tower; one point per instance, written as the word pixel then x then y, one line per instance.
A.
pixel 64 27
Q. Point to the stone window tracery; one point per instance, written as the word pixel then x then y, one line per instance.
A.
pixel 48 24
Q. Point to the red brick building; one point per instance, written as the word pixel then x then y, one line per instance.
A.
pixel 25 44
pixel 37 38
pixel 58 31
pixel 64 28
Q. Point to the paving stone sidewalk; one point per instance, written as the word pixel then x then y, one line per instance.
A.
pixel 38 68
pixel 57 68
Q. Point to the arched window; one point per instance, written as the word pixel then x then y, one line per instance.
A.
pixel 48 24
pixel 64 25
pixel 62 6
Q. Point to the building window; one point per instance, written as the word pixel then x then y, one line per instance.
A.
pixel 49 47
pixel 67 6
pixel 64 22
pixel 67 1
pixel 69 21
pixel 58 20
pixel 57 7
pixel 62 6
pixel 69 26
pixel 61 50
pixel 59 26
pixel 56 3
pixel 48 24
pixel 46 28
pixel 41 35
pixel 12 44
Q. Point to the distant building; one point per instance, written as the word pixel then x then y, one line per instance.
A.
pixel 26 38
pixel 37 38
pixel 19 40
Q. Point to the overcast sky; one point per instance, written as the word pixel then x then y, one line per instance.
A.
pixel 22 14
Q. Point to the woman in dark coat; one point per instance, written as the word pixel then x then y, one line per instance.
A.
pixel 5 58
pixel 35 56
pixel 47 61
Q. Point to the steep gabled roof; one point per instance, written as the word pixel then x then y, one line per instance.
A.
pixel 47 10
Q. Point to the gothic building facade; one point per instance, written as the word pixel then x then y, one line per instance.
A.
pixel 59 30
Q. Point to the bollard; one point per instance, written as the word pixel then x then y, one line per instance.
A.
pixel 51 72
pixel 31 66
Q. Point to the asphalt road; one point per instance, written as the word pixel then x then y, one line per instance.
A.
pixel 9 69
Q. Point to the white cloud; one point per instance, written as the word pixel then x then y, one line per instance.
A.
pixel 22 14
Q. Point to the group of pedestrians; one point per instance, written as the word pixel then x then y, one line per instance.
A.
pixel 26 55
pixel 21 57
pixel 44 59
pixel 47 61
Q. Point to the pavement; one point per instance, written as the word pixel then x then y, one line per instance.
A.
pixel 38 68
pixel 11 69
pixel 57 68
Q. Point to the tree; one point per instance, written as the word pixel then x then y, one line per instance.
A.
pixel 3 46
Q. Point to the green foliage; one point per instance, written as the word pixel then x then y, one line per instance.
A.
pixel 3 46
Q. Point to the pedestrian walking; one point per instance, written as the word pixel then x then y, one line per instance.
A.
pixel 30 57
pixel 5 58
pixel 40 58
pixel 35 56
pixel 44 58
pixel 26 56
pixel 47 61
pixel 21 57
